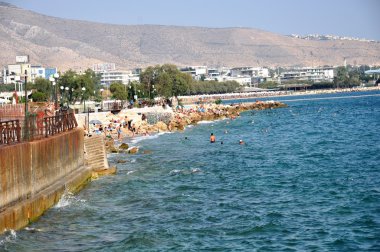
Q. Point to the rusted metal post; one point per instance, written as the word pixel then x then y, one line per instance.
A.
pixel 18 131
pixel 46 127
pixel 26 130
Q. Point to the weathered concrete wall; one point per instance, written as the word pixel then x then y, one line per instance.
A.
pixel 34 175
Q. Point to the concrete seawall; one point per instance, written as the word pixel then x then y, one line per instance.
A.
pixel 34 175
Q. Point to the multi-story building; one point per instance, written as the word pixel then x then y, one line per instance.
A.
pixel 109 74
pixel 315 74
pixel 13 73
pixel 258 72
pixel 108 77
pixel 104 67
pixel 16 72
pixel 37 72
pixel 195 71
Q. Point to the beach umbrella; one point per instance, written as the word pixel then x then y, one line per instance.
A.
pixel 95 122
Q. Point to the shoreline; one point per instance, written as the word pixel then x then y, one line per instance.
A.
pixel 146 122
pixel 149 121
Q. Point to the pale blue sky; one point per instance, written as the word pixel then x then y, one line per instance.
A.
pixel 355 18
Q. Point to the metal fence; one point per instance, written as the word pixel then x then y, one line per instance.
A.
pixel 10 132
pixel 35 127
pixel 154 117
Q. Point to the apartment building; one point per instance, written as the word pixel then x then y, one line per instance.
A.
pixel 14 73
pixel 315 74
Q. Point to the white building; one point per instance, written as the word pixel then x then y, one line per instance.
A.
pixel 108 77
pixel 242 80
pixel 13 73
pixel 258 72
pixel 315 74
pixel 16 72
pixel 103 67
pixel 37 72
pixel 109 74
pixel 195 71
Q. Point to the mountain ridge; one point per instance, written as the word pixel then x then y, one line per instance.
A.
pixel 79 44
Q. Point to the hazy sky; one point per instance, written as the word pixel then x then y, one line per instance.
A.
pixel 355 18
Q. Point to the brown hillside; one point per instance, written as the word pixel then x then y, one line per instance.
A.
pixel 79 44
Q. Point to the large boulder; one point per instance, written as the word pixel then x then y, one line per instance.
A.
pixel 161 126
pixel 195 117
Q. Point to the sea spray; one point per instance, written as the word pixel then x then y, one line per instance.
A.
pixel 7 237
pixel 68 199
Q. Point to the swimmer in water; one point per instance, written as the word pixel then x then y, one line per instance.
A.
pixel 212 138
pixel 241 142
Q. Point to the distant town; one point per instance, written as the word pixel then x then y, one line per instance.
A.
pixel 250 78
pixel 330 37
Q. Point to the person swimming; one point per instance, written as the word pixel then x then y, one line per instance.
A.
pixel 241 142
pixel 212 138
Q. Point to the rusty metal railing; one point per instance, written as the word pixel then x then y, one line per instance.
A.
pixel 35 128
pixel 59 123
pixel 10 132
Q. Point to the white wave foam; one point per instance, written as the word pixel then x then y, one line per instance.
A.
pixel 212 121
pixel 130 172
pixel 175 172
pixel 9 235
pixel 205 122
pixel 196 170
pixel 33 230
pixel 68 199
pixel 141 138
pixel 184 171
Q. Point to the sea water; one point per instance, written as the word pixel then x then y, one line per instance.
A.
pixel 306 179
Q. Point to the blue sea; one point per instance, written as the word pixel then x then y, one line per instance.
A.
pixel 306 179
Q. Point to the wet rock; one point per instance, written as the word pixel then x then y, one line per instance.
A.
pixel 120 161
pixel 133 150
pixel 113 150
pixel 124 146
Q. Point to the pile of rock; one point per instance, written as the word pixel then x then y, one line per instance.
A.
pixel 183 117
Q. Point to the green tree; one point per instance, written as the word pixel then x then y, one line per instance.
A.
pixel 346 78
pixel 38 96
pixel 268 85
pixel 213 87
pixel 7 87
pixel 354 78
pixel 75 83
pixel 119 91
pixel 43 90
pixel 166 79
